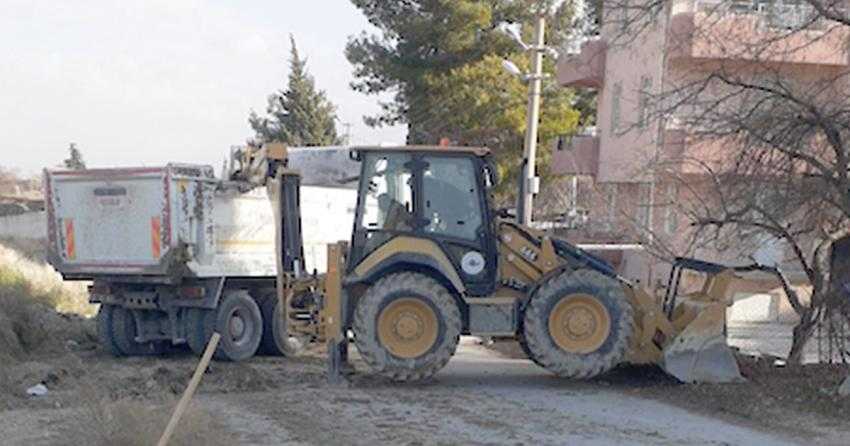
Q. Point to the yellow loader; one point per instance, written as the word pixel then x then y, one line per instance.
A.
pixel 430 259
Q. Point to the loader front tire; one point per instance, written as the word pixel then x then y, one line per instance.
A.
pixel 578 324
pixel 406 326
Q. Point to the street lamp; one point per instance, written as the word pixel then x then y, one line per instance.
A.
pixel 530 183
pixel 511 67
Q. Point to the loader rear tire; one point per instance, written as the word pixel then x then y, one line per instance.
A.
pixel 578 324
pixel 117 331
pixel 406 326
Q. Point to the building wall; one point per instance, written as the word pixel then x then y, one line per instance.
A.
pixel 633 69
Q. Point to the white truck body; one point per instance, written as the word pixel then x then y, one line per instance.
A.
pixel 179 220
pixel 173 251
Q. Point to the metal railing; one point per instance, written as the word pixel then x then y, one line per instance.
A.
pixel 771 14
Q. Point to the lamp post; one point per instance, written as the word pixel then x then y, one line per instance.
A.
pixel 529 182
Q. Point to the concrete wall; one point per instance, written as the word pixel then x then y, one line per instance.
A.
pixel 31 225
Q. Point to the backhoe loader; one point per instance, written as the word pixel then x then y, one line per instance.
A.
pixel 430 259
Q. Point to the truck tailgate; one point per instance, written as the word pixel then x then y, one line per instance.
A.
pixel 108 220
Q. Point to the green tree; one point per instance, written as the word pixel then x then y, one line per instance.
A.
pixel 482 105
pixel 75 158
pixel 301 115
pixel 441 61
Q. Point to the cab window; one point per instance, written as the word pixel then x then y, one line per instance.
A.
pixel 387 191
pixel 452 205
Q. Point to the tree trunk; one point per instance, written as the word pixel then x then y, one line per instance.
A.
pixel 801 335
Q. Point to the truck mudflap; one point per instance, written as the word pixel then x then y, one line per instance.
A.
pixel 700 352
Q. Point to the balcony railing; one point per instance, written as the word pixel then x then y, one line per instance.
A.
pixel 773 32
pixel 776 15
pixel 577 154
pixel 586 68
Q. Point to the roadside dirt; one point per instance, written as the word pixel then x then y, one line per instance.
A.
pixel 793 400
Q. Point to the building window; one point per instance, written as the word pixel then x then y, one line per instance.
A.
pixel 671 214
pixel 643 205
pixel 616 98
pixel 643 102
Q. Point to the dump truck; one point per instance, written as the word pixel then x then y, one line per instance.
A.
pixel 430 259
pixel 174 252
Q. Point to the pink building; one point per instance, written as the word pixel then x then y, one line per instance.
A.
pixel 688 40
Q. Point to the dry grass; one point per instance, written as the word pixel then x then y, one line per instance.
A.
pixel 38 311
pixel 140 423
pixel 40 282
pixel 31 249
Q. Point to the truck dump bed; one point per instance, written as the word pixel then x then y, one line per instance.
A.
pixel 177 220
pixel 129 221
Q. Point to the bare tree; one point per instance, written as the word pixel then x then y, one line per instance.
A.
pixel 765 159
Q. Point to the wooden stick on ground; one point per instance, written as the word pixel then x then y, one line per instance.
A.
pixel 190 390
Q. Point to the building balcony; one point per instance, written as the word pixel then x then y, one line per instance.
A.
pixel 585 69
pixel 747 31
pixel 576 155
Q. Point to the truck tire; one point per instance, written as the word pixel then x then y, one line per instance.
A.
pixel 239 322
pixel 117 331
pixel 197 333
pixel 406 326
pixel 578 324
pixel 275 341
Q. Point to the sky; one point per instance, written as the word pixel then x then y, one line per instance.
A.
pixel 148 82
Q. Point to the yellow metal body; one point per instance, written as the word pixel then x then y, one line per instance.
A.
pixel 411 245
pixel 331 317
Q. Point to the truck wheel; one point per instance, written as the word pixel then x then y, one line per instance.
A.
pixel 578 324
pixel 117 331
pixel 239 322
pixel 197 332
pixel 406 326
pixel 275 341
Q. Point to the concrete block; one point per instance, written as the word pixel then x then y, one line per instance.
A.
pixel 754 308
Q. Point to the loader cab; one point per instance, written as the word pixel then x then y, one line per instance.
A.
pixel 422 207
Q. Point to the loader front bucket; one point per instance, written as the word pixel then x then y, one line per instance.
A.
pixel 700 353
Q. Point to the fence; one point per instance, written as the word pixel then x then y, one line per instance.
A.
pixel 30 225
pixel 780 15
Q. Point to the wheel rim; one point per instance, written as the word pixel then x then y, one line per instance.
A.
pixel 408 327
pixel 238 328
pixel 579 323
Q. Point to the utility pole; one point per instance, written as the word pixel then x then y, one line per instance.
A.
pixel 347 135
pixel 530 183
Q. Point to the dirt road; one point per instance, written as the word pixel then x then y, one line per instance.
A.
pixel 480 398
